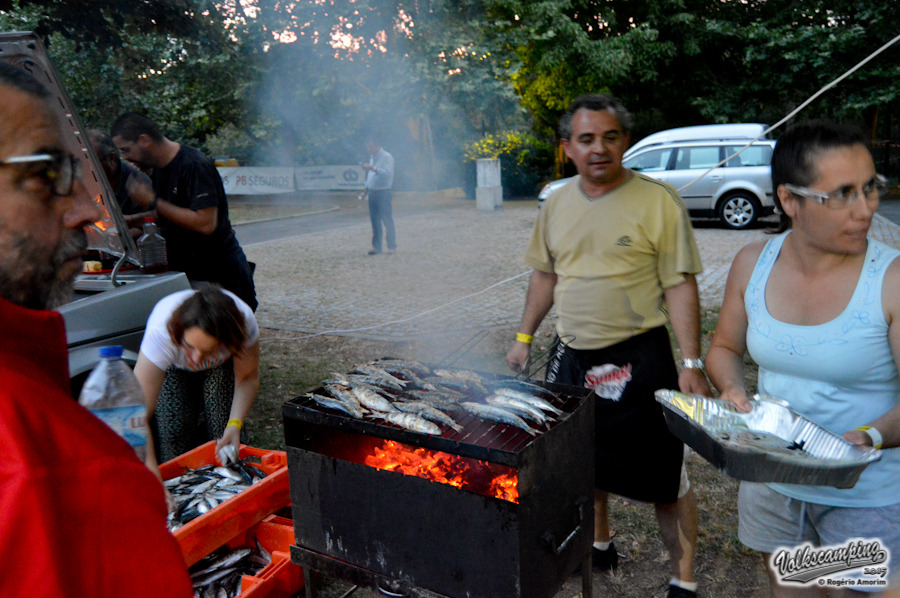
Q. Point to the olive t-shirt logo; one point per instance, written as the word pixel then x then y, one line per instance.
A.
pixel 624 241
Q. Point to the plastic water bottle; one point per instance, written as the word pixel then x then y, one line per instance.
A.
pixel 152 246
pixel 113 394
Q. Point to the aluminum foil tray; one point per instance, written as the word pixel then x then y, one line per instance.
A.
pixel 772 443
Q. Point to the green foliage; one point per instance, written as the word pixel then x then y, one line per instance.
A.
pixel 525 160
pixel 107 24
pixel 686 62
pixel 186 88
pixel 300 82
pixel 792 54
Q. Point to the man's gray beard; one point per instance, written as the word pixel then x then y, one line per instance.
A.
pixel 31 278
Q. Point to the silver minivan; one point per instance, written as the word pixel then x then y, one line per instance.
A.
pixel 738 192
pixel 722 132
pixel 728 180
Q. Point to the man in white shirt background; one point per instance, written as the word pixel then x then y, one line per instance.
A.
pixel 379 180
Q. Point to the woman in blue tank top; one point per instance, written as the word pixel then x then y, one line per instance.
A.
pixel 818 308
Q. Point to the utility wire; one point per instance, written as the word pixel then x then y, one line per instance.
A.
pixel 793 113
pixel 402 320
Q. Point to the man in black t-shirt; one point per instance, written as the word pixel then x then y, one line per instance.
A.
pixel 190 201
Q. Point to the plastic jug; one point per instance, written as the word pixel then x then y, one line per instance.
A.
pixel 113 394
pixel 152 246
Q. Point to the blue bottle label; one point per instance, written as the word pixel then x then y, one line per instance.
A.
pixel 129 422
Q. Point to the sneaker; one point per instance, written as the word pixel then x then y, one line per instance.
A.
pixel 605 560
pixel 679 592
pixel 391 251
pixel 374 252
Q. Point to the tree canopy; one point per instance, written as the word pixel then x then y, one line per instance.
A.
pixel 300 81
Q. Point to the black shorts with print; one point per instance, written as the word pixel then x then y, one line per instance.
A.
pixel 635 454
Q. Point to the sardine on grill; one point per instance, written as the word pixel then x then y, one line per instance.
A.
pixel 430 413
pixel 519 407
pixel 353 409
pixel 497 414
pixel 532 399
pixel 410 422
pixel 371 400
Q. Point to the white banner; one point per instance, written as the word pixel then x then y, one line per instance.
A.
pixel 322 178
pixel 249 180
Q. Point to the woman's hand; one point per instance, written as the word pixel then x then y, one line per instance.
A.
pixel 859 438
pixel 738 398
pixel 229 445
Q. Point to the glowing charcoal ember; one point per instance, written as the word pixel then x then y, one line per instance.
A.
pixel 470 474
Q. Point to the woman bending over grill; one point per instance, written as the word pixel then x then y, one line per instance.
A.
pixel 818 308
pixel 199 356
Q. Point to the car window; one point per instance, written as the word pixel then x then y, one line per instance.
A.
pixel 755 155
pixel 697 157
pixel 652 161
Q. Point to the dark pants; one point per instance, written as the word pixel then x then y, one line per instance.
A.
pixel 380 213
pixel 635 455
pixel 193 408
pixel 232 272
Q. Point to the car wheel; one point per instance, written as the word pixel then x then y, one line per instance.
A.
pixel 739 210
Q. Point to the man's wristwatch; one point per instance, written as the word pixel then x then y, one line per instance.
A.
pixel 692 364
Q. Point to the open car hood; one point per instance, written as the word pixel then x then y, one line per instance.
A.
pixel 24 50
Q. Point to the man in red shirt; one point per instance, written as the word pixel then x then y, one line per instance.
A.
pixel 80 515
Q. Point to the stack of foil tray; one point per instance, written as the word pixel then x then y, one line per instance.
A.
pixel 772 443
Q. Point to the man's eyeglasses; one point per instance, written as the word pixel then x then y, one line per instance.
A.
pixel 59 169
pixel 845 196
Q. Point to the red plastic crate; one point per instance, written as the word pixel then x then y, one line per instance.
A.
pixel 281 578
pixel 214 528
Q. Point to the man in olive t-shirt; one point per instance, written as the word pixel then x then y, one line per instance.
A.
pixel 614 252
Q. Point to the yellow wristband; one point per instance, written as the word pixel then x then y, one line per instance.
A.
pixel 524 338
pixel 875 435
pixel 235 422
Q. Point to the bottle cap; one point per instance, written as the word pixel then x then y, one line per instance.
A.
pixel 149 219
pixel 111 351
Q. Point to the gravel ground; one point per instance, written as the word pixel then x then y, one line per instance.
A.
pixel 459 270
pixel 458 273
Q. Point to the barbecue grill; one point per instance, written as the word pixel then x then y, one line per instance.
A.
pixel 413 536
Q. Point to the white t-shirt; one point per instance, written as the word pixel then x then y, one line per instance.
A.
pixel 157 345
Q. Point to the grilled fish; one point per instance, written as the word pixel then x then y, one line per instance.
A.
pixel 353 409
pixel 462 379
pixel 371 400
pixel 529 398
pixel 428 412
pixel 408 374
pixel 380 374
pixel 342 393
pixel 497 414
pixel 419 368
pixel 381 383
pixel 411 422
pixel 520 408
